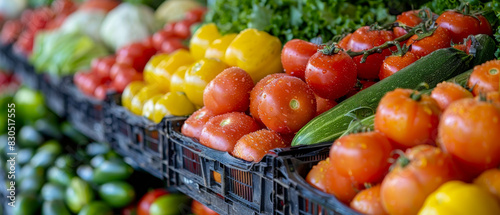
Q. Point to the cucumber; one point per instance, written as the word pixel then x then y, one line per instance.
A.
pixel 117 194
pixel 54 207
pixel 434 68
pixel 483 49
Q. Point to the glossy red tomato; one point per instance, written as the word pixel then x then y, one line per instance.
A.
pixel 102 66
pixel 101 91
pixel 123 78
pixel 229 91
pixel 364 157
pixel 148 199
pixel 254 146
pixel 161 36
pixel 364 39
pixel 360 86
pixel 183 29
pixel 368 201
pixel 460 26
pixel 135 54
pixel 194 124
pixel 469 131
pixel 223 131
pixel 446 93
pixel 169 27
pixel 295 55
pixel 416 175
pixel 105 5
pixel 322 105
pixel 200 209
pixel 172 44
pixel 331 76
pixel 441 38
pixel 88 83
pixel 485 78
pixel 287 104
pixel 196 15
pixel 409 18
pixel 394 63
pixel 118 68
pixel 344 42
pixel 256 94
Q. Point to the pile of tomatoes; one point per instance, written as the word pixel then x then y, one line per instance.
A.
pixel 115 72
pixel 448 135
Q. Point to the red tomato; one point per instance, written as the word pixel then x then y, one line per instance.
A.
pixel 394 63
pixel 485 77
pixel 460 26
pixel 331 76
pixel 295 55
pixel 159 37
pixel 104 65
pixel 229 91
pixel 368 201
pixel 194 124
pixel 360 86
pixel 344 42
pixel 316 176
pixel 117 68
pixel 63 6
pixel 89 83
pixel 135 54
pixel 493 97
pixel 80 77
pixel 254 146
pixel 148 199
pixel 490 181
pixel 469 132
pixel 256 94
pixel 172 44
pixel 408 121
pixel 10 31
pixel 287 104
pixel 223 131
pixel 322 105
pixel 101 91
pixel 200 209
pixel 183 29
pixel 439 39
pixel 408 18
pixel 196 15
pixel 364 157
pixel 123 78
pixel 416 175
pixel 364 39
pixel 105 5
pixel 169 27
pixel 446 93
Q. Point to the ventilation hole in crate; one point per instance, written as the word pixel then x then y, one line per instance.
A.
pixel 191 161
pixel 122 127
pixel 241 184
pixel 152 140
pixel 217 177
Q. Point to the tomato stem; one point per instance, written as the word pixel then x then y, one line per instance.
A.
pixel 403 161
pixel 379 49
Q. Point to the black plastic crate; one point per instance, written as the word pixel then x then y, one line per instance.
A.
pixel 227 184
pixel 6 58
pixel 26 72
pixel 136 137
pixel 53 89
pixel 86 113
pixel 304 199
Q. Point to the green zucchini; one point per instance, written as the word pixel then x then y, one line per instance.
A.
pixel 484 50
pixel 434 68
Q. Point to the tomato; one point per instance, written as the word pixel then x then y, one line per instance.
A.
pixel 223 131
pixel 135 54
pixel 316 176
pixel 331 76
pixel 101 91
pixel 485 77
pixel 104 5
pixel 439 39
pixel 124 77
pixel 198 76
pixel 89 83
pixel 146 93
pixel 159 37
pixel 360 85
pixel 322 105
pixel 171 45
pixel 10 31
pixel 408 121
pixel 229 91
pixel 446 93
pixel 493 97
pixel 469 132
pixel 364 39
pixel 183 29
pixel 172 104
pixel 490 181
pixel 120 68
pixel 295 55
pixel 409 18
pixel 148 109
pixel 416 175
pixel 394 63
pixel 256 94
pixel 254 146
pixel 363 157
pixel 344 42
pixel 196 15
pixel 286 104
pixel 148 199
pixel 177 80
pixel 103 67
pixel 194 124
pixel 460 26
pixel 200 209
pixel 368 201
pixel 130 91
pixel 218 47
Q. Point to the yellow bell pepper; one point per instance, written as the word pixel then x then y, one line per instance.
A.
pixel 149 69
pixel 168 66
pixel 459 198
pixel 142 96
pixel 201 40
pixel 172 103
pixel 256 52
pixel 177 80
pixel 130 91
pixel 149 105
pixel 198 76
pixel 219 46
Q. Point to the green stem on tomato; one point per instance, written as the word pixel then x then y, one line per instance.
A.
pixel 379 49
